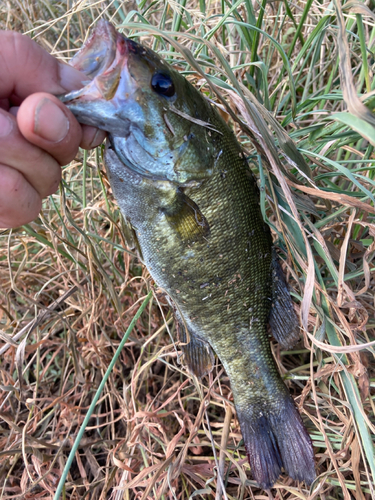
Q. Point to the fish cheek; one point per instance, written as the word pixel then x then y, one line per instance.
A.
pixel 186 219
pixel 196 145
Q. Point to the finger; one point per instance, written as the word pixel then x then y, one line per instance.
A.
pixel 44 121
pixel 20 56
pixel 39 168
pixel 91 137
pixel 4 104
pixel 20 203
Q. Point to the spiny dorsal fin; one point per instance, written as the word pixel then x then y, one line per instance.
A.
pixel 197 354
pixel 186 218
pixel 283 320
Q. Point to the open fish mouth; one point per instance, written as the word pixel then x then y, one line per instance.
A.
pixel 104 60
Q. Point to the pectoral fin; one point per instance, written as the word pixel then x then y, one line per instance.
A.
pixel 283 320
pixel 184 215
pixel 198 355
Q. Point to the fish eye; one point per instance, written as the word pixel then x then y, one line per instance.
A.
pixel 163 84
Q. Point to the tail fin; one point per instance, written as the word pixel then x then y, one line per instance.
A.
pixel 276 440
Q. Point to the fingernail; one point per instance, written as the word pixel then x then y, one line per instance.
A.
pixel 50 122
pixel 70 78
pixel 6 124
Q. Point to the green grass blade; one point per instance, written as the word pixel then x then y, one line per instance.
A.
pixel 363 127
pixel 96 398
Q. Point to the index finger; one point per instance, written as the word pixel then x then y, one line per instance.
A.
pixel 27 68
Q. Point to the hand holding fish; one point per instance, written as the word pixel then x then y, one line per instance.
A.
pixel 38 133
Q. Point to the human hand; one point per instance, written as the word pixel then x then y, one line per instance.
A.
pixel 38 133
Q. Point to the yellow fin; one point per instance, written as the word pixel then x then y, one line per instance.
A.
pixel 186 218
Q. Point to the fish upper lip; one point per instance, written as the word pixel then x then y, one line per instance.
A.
pixel 99 103
pixel 97 52
pixel 100 47
pixel 102 58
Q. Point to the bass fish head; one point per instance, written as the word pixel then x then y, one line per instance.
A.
pixel 158 122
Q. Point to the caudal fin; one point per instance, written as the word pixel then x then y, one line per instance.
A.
pixel 275 441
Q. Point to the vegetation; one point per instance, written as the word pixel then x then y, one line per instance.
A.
pixel 296 81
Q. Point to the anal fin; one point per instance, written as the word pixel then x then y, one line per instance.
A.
pixel 283 319
pixel 197 354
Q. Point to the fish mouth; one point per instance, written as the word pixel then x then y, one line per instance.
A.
pixel 103 58
pixel 98 52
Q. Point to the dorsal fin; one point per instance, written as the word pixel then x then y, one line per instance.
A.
pixel 283 319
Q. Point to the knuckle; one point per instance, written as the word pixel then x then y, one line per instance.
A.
pixel 12 181
pixel 50 172
pixel 11 39
pixel 37 157
pixel 50 183
pixel 20 51
pixel 15 47
pixel 19 202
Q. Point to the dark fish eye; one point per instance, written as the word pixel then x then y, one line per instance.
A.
pixel 163 84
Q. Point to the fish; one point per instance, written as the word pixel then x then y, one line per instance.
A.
pixel 184 187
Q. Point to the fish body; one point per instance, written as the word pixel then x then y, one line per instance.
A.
pixel 183 184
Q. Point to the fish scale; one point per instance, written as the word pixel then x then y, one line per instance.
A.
pixel 184 186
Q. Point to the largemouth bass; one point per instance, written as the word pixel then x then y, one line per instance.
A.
pixel 183 184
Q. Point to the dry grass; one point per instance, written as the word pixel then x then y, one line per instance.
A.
pixel 70 286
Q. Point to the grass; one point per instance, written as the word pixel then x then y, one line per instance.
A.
pixel 70 286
